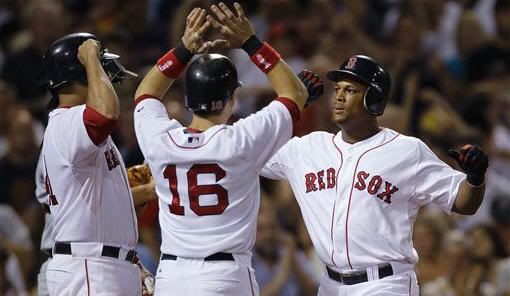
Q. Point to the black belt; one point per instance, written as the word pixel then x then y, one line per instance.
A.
pixel 46 208
pixel 359 277
pixel 108 251
pixel 213 257
pixel 47 252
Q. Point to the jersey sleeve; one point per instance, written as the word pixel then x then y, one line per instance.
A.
pixel 436 182
pixel 275 167
pixel 151 120
pixel 71 137
pixel 261 134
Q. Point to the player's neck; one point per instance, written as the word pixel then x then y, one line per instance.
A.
pixel 203 123
pixel 356 132
pixel 70 100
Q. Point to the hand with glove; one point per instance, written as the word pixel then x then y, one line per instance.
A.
pixel 141 183
pixel 473 161
pixel 313 85
pixel 147 278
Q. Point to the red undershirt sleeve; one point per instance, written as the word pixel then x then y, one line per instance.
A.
pixel 98 126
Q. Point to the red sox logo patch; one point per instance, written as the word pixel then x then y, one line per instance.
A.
pixel 351 63
pixel 374 185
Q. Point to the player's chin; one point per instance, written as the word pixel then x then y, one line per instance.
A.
pixel 338 118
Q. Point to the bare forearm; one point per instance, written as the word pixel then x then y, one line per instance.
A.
pixel 101 95
pixel 154 83
pixel 287 84
pixel 468 199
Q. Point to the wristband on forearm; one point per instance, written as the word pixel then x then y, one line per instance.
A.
pixel 174 61
pixel 262 54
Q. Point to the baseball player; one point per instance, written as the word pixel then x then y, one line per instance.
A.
pixel 92 212
pixel 142 193
pixel 360 190
pixel 47 241
pixel 207 174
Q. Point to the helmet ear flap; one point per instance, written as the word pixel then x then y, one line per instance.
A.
pixel 374 101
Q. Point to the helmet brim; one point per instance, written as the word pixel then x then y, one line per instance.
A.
pixel 337 75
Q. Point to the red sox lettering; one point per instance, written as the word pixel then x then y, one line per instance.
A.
pixel 374 185
pixel 316 181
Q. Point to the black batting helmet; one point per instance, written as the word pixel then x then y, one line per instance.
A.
pixel 210 81
pixel 61 64
pixel 370 73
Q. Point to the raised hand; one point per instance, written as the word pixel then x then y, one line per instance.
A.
pixel 89 49
pixel 196 26
pixel 313 84
pixel 235 27
pixel 473 161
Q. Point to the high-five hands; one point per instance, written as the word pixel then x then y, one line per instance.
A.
pixel 196 27
pixel 235 27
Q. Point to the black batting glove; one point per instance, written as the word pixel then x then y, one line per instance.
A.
pixel 313 85
pixel 473 161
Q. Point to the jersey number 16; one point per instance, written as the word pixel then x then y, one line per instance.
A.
pixel 195 190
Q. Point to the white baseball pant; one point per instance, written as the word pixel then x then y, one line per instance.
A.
pixel 190 277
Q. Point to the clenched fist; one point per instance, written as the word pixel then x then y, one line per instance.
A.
pixel 473 161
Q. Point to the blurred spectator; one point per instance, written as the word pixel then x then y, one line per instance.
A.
pixel 7 98
pixel 500 213
pixel 44 22
pixel 12 282
pixel 15 238
pixel 427 239
pixel 274 258
pixel 490 270
pixel 17 167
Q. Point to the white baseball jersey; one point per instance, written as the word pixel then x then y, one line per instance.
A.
pixel 208 181
pixel 47 240
pixel 87 186
pixel 359 201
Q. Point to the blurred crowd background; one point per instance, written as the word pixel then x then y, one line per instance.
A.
pixel 450 63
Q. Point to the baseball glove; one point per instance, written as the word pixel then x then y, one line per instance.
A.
pixel 139 175
pixel 148 280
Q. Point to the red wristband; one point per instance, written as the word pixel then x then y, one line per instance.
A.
pixel 170 65
pixel 266 58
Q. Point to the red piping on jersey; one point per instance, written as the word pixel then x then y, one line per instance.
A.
pixel 87 274
pixel 183 147
pixel 251 284
pixel 334 204
pixel 350 196
pixel 143 97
